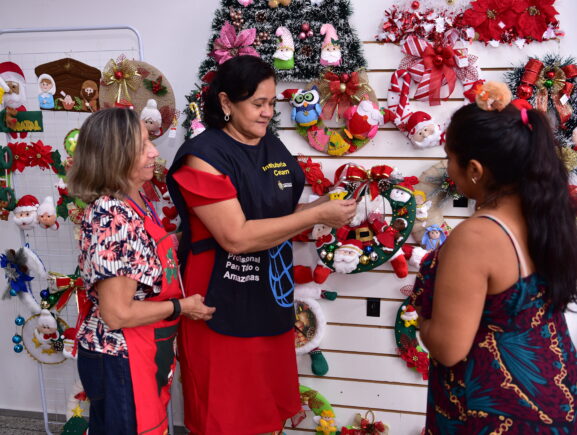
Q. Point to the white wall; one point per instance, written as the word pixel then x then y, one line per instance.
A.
pixel 364 369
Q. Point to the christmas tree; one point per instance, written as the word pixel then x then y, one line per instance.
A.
pixel 300 38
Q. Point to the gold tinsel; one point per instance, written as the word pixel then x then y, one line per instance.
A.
pixel 569 157
pixel 130 78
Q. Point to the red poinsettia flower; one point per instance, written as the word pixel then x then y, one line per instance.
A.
pixel 314 175
pixel 490 18
pixel 417 360
pixel 41 155
pixel 535 18
pixel 20 155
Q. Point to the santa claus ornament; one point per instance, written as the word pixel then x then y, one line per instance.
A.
pixel 14 118
pixel 330 49
pixel 68 85
pixel 370 240
pixel 25 214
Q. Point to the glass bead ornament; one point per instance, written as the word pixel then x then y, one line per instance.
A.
pixel 13 292
pixel 19 321
pixel 18 348
pixel 44 294
pixel 16 339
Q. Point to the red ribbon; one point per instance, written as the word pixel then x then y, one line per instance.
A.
pixel 356 173
pixel 440 62
pixel 342 89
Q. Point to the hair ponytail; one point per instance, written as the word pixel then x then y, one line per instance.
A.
pixel 550 215
pixel 522 157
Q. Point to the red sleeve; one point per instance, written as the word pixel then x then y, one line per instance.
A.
pixel 201 188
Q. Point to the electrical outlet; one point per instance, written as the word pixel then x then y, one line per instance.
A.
pixel 373 307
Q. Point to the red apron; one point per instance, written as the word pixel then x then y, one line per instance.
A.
pixel 151 348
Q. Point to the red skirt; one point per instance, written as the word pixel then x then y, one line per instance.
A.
pixel 231 385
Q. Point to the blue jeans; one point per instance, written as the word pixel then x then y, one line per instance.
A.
pixel 107 383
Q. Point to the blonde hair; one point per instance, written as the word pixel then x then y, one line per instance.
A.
pixel 108 145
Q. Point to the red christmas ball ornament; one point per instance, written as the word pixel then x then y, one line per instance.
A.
pixel 302 35
pixel 415 5
pixel 550 74
pixel 345 77
pixel 438 61
pixel 305 27
pixel 118 75
pixel 310 33
pixel 525 91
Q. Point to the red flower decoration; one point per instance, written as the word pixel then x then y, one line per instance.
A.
pixel 490 18
pixel 535 18
pixel 417 360
pixel 314 175
pixel 41 155
pixel 21 155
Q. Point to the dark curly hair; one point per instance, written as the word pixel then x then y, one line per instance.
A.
pixel 238 78
pixel 526 162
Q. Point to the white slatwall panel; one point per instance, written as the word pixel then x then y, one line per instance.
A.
pixel 364 369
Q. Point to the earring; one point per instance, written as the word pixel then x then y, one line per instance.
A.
pixel 226 117
pixel 474 180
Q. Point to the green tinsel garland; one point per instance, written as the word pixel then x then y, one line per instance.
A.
pixel 307 52
pixel 513 80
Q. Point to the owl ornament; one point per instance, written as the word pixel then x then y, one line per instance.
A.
pixel 306 109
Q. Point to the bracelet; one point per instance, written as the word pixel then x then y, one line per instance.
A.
pixel 176 312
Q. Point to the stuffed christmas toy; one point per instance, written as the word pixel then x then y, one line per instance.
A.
pixel 493 96
pixel 46 330
pixel 347 256
pixel 310 322
pixel 46 213
pixel 46 91
pixel 306 108
pixel 69 337
pixel 25 212
pixel 330 49
pixel 363 120
pixel 152 118
pixel 13 99
pixel 284 56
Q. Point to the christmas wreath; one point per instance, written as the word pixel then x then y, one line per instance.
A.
pixel 310 322
pixel 410 350
pixel 435 69
pixel 548 84
pixel 350 98
pixel 434 190
pixel 369 240
pixel 324 415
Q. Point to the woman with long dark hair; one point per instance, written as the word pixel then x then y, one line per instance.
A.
pixel 492 297
pixel 236 187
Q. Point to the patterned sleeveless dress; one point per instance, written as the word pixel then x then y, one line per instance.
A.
pixel 520 375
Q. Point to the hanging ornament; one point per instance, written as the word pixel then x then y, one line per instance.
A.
pixel 121 75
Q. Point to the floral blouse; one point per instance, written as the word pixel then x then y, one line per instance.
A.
pixel 113 242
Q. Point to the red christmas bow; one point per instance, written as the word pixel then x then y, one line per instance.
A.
pixel 355 173
pixel 339 92
pixel 434 66
pixel 54 336
pixel 66 284
pixel 551 82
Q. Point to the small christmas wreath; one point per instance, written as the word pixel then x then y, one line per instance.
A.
pixel 49 350
pixel 369 240
pixel 351 98
pixel 408 345
pixel 548 84
pixel 320 406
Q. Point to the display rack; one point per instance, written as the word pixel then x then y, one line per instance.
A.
pixel 59 249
